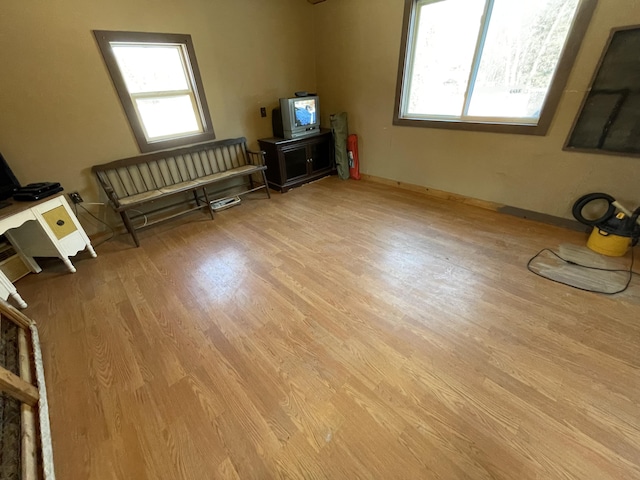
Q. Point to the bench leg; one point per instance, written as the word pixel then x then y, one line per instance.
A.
pixel 195 197
pixel 130 229
pixel 206 197
pixel 266 184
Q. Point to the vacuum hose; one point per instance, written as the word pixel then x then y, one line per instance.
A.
pixel 610 222
pixel 588 198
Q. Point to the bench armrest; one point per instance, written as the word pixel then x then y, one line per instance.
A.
pixel 256 157
pixel 111 194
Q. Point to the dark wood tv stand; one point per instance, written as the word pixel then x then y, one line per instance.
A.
pixel 291 163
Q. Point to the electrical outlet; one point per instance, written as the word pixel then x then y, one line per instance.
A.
pixel 263 112
pixel 75 197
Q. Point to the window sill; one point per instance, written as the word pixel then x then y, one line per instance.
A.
pixel 518 129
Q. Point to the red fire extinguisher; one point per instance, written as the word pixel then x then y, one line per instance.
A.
pixel 352 151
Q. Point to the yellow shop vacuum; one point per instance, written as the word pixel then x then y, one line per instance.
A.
pixel 614 231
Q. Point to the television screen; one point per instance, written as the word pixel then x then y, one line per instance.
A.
pixel 305 112
pixel 297 117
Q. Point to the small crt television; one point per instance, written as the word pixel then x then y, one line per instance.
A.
pixel 300 117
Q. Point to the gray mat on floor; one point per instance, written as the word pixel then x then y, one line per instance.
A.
pixel 583 268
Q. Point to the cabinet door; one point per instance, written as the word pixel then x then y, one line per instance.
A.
pixel 295 162
pixel 320 154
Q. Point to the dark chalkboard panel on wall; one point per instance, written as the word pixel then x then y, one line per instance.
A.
pixel 609 120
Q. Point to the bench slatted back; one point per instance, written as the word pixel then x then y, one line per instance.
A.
pixel 145 173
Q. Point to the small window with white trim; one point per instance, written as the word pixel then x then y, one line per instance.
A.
pixel 157 79
pixel 479 64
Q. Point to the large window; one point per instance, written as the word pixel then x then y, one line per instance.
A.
pixel 157 79
pixel 494 65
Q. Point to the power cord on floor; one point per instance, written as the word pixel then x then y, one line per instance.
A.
pixel 146 220
pixel 111 229
pixel 570 262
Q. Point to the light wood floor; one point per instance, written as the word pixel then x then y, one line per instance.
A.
pixel 343 330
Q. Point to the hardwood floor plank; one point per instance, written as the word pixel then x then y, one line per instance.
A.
pixel 341 330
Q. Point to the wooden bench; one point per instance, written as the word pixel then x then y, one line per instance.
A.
pixel 132 182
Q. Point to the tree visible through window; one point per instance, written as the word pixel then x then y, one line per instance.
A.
pixel 487 61
pixel 157 79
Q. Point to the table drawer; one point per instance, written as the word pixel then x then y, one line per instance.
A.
pixel 59 221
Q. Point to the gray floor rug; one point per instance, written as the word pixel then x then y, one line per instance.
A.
pixel 579 267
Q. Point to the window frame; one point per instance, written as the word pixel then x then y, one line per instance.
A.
pixel 581 21
pixel 199 101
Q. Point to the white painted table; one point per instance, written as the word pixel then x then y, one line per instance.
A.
pixel 46 228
